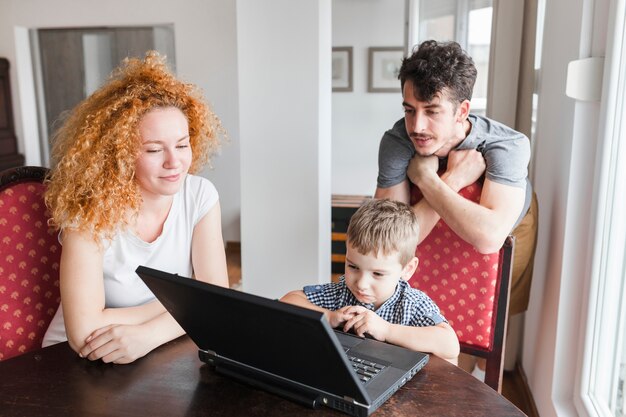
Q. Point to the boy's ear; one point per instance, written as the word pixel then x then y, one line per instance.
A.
pixel 409 268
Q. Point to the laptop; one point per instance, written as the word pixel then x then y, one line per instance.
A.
pixel 284 349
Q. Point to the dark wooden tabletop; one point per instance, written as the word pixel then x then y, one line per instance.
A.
pixel 172 381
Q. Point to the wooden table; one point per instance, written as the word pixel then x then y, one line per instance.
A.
pixel 172 381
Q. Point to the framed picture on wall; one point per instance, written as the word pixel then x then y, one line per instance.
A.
pixel 342 68
pixel 383 67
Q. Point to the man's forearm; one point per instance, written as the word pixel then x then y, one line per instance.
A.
pixel 483 225
pixel 426 216
pixel 399 192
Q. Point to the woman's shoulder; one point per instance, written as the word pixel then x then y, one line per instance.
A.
pixel 199 192
pixel 196 183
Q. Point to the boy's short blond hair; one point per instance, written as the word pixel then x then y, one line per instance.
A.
pixel 384 226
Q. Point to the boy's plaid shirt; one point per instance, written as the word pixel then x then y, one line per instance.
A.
pixel 407 306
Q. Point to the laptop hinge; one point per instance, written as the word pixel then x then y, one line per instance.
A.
pixel 270 382
pixel 207 355
pixel 353 401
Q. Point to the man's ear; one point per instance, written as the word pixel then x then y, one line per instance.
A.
pixel 409 268
pixel 463 111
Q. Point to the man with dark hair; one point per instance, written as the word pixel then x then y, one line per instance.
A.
pixel 439 148
pixel 438 134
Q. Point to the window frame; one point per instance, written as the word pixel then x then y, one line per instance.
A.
pixel 461 13
pixel 603 334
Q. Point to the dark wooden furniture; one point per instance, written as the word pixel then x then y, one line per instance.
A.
pixel 343 207
pixel 171 381
pixel 8 142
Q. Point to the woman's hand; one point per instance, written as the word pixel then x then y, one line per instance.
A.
pixel 118 343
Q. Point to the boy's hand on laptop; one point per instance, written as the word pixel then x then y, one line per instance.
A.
pixel 338 317
pixel 364 321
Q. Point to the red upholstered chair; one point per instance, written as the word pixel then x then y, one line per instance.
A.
pixel 29 262
pixel 470 288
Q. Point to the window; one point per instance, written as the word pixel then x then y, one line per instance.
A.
pixel 602 378
pixel 467 22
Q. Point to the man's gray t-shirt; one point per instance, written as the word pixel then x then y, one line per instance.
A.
pixel 506 153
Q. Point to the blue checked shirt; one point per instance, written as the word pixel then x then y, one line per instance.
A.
pixel 407 306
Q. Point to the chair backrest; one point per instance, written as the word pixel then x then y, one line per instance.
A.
pixel 29 262
pixel 471 289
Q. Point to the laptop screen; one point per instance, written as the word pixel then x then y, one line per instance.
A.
pixel 285 340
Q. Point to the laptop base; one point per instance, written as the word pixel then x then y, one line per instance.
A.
pixel 272 339
pixel 271 383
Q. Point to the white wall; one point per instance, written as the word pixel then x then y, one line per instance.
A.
pixel 284 96
pixel 206 48
pixel 359 118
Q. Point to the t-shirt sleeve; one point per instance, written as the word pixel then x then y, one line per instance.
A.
pixel 205 196
pixel 507 161
pixel 394 154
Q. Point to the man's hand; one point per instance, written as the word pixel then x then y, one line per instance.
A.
pixel 117 343
pixel 422 166
pixel 366 321
pixel 464 168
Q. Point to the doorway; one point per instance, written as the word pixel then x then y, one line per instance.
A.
pixel 71 63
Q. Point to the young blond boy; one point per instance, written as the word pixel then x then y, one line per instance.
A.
pixel 373 296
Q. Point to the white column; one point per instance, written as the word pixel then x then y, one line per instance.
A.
pixel 284 61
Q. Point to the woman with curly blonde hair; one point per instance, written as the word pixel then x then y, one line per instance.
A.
pixel 122 194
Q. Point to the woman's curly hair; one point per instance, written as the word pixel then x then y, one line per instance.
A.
pixel 92 186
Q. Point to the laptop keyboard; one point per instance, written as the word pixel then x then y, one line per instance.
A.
pixel 365 369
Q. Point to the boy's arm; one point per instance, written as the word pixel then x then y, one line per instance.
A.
pixel 299 298
pixel 440 340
